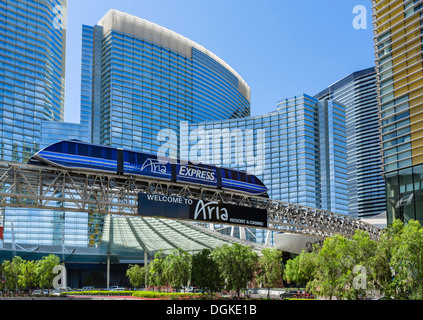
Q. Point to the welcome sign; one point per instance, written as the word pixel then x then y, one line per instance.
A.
pixel 174 207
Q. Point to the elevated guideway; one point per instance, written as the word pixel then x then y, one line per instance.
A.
pixel 29 186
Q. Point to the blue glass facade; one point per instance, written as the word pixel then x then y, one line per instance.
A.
pixel 32 54
pixel 149 84
pixel 131 89
pixel 366 185
pixel 32 73
pixel 213 87
pixel 145 89
pixel 298 151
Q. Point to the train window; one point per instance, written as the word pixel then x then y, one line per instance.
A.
pixel 83 150
pixel 129 157
pixel 234 175
pixel 250 178
pixel 242 176
pixel 71 148
pixel 97 152
pixel 107 153
pixel 223 172
pixel 55 147
pixel 140 159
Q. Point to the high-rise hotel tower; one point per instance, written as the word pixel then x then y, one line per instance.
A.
pixel 399 66
pixel 139 78
pixel 366 185
pixel 32 73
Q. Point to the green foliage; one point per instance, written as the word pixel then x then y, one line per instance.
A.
pixel 205 272
pixel 270 268
pixel 177 268
pixel 157 277
pixel 237 264
pixel 230 266
pixel 351 268
pixel 28 277
pixel 136 275
pixel 19 274
pixel 11 271
pixel 301 269
pixel 44 270
pixel 156 295
pixel 407 262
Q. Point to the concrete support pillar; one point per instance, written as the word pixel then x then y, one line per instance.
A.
pixel 108 270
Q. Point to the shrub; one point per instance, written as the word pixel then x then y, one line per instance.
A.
pixel 158 295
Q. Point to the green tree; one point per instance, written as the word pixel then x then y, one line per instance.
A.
pixel 271 268
pixel 331 264
pixel 156 271
pixel 383 273
pixel 28 276
pixel 205 272
pixel 237 264
pixel 136 275
pixel 407 262
pixel 2 279
pixel 358 274
pixel 301 269
pixel 11 271
pixel 177 268
pixel 44 270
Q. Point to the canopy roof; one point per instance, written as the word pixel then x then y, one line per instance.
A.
pixel 126 235
pixel 126 238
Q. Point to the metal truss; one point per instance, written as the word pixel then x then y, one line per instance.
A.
pixel 59 189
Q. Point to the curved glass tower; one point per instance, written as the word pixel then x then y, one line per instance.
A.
pixel 137 79
pixel 150 79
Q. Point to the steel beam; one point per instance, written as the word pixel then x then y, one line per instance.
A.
pixel 53 188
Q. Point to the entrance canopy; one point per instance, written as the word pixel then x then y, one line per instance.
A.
pixel 126 239
pixel 131 236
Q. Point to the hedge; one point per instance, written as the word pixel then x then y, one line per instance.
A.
pixel 137 294
pixel 155 295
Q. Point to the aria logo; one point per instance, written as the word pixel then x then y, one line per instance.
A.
pixel 154 165
pixel 210 209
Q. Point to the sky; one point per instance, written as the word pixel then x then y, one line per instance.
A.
pixel 281 48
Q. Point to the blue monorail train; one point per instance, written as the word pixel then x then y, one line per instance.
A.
pixel 74 154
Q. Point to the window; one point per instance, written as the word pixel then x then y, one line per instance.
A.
pixel 96 152
pixel 83 150
pixel 71 148
pixel 242 176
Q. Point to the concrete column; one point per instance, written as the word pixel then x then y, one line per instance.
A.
pixel 108 270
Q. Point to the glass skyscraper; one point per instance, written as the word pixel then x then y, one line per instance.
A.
pixel 298 151
pixel 32 94
pixel 32 73
pixel 139 78
pixel 366 185
pixel 399 66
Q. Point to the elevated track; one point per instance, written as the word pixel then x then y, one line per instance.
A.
pixel 29 186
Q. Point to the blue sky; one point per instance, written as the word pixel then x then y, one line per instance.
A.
pixel 281 48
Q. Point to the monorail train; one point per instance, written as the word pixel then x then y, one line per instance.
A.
pixel 74 154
